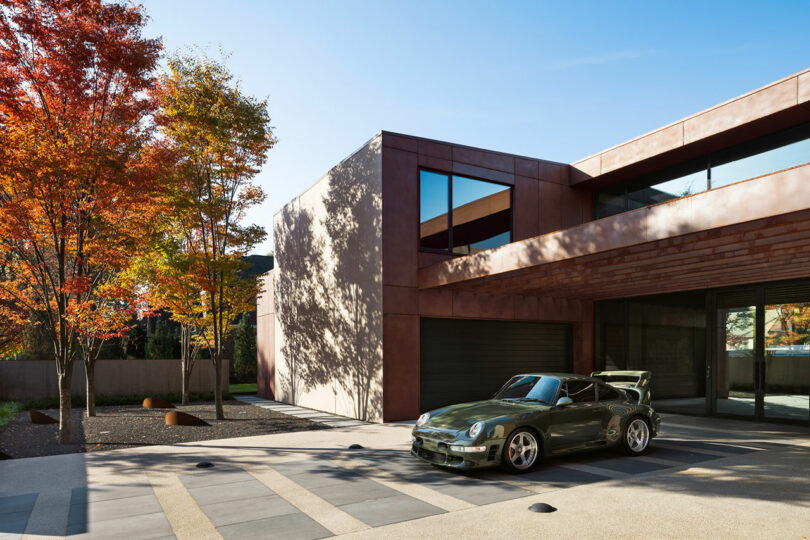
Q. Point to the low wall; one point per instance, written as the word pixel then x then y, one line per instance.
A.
pixel 36 379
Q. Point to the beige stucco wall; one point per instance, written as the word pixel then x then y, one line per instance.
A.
pixel 328 291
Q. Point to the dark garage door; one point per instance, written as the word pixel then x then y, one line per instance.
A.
pixel 467 360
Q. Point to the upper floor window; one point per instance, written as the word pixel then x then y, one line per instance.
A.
pixel 765 155
pixel 462 215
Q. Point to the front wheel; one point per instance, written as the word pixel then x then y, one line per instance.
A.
pixel 520 451
pixel 636 436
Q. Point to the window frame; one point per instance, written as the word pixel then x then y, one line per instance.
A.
pixel 610 389
pixel 595 397
pixel 450 175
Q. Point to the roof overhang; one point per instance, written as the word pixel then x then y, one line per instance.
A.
pixel 779 105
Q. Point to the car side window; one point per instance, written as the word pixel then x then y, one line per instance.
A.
pixel 581 391
pixel 606 393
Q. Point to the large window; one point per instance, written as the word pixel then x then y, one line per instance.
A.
pixel 462 215
pixel 765 155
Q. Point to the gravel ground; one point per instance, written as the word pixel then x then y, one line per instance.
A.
pixel 125 426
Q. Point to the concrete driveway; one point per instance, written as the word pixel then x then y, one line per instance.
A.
pixel 702 478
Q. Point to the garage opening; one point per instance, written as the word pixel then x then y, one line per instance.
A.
pixel 468 360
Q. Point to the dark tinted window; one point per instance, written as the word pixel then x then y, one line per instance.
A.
pixel 463 215
pixel 607 394
pixel 581 391
pixel 530 387
pixel 765 155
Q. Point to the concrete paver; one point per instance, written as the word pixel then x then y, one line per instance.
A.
pixel 694 482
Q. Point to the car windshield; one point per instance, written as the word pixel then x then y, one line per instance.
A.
pixel 530 388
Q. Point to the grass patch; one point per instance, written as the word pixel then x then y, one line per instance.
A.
pixel 133 399
pixel 8 410
pixel 244 388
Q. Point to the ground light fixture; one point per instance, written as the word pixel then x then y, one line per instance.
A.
pixel 542 508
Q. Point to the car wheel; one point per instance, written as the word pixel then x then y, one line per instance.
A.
pixel 520 451
pixel 636 436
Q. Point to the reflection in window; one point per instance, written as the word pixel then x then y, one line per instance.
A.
pixel 787 361
pixel 764 162
pixel 775 152
pixel 434 200
pixel 481 216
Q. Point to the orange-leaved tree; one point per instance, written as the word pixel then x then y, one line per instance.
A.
pixel 77 181
pixel 221 137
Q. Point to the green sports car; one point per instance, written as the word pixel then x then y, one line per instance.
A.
pixel 540 414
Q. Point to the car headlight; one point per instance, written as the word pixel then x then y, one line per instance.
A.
pixel 423 419
pixel 476 429
pixel 468 449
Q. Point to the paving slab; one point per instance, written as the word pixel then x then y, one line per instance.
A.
pixel 391 509
pixel 14 522
pixel 297 526
pixel 132 528
pixel 82 513
pixel 229 492
pixel 211 477
pixel 229 512
pixel 108 492
pixel 17 503
pixel 353 492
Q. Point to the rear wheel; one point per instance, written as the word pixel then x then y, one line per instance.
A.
pixel 521 450
pixel 636 436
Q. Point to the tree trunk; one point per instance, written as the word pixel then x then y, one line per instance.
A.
pixel 65 424
pixel 90 378
pixel 217 358
pixel 185 359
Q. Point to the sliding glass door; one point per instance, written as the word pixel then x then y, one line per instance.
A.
pixel 762 367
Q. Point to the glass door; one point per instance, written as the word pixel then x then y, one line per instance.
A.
pixel 786 374
pixel 736 375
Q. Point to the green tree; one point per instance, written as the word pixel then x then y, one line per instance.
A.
pixel 221 138
pixel 244 348
pixel 163 342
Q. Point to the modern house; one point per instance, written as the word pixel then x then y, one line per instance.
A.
pixel 418 273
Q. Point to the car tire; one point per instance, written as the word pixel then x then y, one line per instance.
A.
pixel 636 436
pixel 521 451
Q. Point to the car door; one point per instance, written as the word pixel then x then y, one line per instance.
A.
pixel 579 423
pixel 611 421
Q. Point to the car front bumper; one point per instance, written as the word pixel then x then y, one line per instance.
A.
pixel 438 452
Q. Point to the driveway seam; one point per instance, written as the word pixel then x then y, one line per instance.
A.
pixel 321 510
pixel 186 518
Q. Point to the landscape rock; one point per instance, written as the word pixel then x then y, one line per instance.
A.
pixel 179 418
pixel 156 403
pixel 40 418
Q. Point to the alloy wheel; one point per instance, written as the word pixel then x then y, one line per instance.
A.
pixel 638 435
pixel 523 450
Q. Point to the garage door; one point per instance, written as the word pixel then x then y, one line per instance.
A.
pixel 467 360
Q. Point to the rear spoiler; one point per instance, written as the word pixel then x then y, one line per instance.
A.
pixel 635 383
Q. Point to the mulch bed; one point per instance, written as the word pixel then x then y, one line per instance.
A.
pixel 125 426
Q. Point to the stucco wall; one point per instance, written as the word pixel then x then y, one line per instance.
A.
pixel 36 379
pixel 328 291
pixel 265 338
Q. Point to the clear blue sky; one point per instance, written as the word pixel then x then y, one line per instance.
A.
pixel 555 80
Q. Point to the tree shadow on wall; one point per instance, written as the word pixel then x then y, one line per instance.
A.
pixel 300 285
pixel 329 282
pixel 353 224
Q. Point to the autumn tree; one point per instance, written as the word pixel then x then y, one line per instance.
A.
pixel 221 137
pixel 168 272
pixel 77 184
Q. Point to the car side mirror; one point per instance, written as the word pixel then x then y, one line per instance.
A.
pixel 563 401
